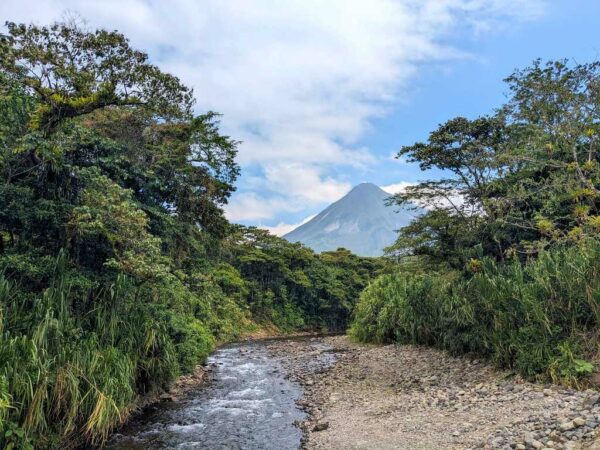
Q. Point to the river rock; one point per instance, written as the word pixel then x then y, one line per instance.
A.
pixel 566 426
pixel 321 426
pixel 167 397
pixel 579 422
pixel 528 438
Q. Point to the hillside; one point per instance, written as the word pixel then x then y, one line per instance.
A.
pixel 360 221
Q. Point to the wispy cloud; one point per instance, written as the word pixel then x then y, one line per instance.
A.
pixel 298 81
pixel 250 206
pixel 453 201
pixel 283 228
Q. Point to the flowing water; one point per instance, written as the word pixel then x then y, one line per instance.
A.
pixel 250 404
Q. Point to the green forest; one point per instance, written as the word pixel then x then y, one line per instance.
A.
pixel 505 260
pixel 118 270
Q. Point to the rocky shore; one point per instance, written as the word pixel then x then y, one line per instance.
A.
pixel 390 397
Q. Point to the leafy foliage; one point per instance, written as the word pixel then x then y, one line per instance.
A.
pixel 289 285
pixel 519 181
pixel 118 270
pixel 528 317
pixel 74 72
pixel 513 224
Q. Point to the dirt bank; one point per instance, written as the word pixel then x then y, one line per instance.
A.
pixel 418 398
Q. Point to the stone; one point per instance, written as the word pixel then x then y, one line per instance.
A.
pixel 497 442
pixel 167 398
pixel 537 445
pixel 579 422
pixel 321 426
pixel 528 438
pixel 566 426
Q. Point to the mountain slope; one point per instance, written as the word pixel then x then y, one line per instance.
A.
pixel 360 221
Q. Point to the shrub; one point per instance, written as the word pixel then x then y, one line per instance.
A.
pixel 399 307
pixel 72 374
pixel 526 316
pixel 192 341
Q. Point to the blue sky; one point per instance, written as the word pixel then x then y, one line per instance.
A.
pixel 323 92
pixel 473 87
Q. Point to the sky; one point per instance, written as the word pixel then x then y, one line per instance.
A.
pixel 323 93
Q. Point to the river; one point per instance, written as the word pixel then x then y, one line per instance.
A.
pixel 249 404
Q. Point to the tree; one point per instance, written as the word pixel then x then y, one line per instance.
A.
pixel 72 72
pixel 81 99
pixel 518 181
pixel 555 119
pixel 469 154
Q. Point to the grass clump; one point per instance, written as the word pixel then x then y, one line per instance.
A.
pixel 531 317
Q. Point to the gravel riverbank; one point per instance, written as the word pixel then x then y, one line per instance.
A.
pixel 390 397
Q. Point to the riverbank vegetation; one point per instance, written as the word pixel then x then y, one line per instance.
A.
pixel 505 262
pixel 118 270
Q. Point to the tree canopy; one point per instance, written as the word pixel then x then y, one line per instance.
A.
pixel 517 182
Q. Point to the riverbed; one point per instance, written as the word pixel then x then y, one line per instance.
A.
pixel 329 393
pixel 250 402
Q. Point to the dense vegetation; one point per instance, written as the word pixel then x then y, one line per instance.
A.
pixel 118 270
pixel 505 261
pixel 287 285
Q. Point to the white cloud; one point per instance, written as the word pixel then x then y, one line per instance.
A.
pixel 304 182
pixel 283 228
pixel 397 187
pixel 295 185
pixel 249 206
pixel 298 81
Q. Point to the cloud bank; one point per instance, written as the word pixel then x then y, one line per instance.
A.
pixel 298 81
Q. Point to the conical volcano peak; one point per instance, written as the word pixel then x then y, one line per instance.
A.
pixel 363 188
pixel 366 187
pixel 360 221
pixel 366 190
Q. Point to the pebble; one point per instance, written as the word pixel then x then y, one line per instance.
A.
pixel 579 422
pixel 321 426
pixel 566 426
pixel 549 418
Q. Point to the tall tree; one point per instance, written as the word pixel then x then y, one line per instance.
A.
pixel 517 181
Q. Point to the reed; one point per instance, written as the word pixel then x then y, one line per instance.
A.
pixel 66 374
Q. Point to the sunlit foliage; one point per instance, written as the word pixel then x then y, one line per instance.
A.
pixel 504 262
pixel 118 269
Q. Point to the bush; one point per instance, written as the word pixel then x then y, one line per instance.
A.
pixel 530 317
pixel 71 372
pixel 399 308
pixel 192 341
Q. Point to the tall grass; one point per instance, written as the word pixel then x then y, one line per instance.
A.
pixel 71 367
pixel 531 317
